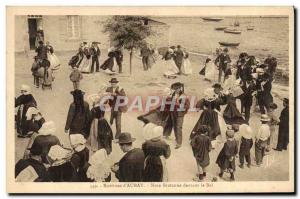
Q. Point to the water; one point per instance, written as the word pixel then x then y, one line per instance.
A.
pixel 270 35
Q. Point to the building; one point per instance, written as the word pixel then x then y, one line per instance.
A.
pixel 65 32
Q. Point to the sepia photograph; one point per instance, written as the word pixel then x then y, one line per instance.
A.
pixel 150 99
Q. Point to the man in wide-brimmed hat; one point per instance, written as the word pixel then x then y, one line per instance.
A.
pixel 116 111
pixel 262 138
pixel 95 52
pixel 32 169
pixel 221 61
pixel 283 131
pixel 176 115
pixel 131 166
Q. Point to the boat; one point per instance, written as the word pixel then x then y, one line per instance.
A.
pixel 229 44
pixel 232 31
pixel 212 19
pixel 220 28
pixel 236 23
pixel 250 27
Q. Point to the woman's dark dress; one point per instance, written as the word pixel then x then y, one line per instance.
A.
pixel 153 149
pixel 63 173
pixel 208 117
pixel 231 114
pixel 105 135
pixel 201 146
pixel 24 102
pixel 79 161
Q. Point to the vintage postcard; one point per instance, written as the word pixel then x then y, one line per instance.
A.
pixel 150 100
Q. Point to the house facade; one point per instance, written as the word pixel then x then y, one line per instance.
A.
pixel 66 32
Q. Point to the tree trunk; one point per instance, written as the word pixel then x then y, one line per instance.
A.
pixel 130 60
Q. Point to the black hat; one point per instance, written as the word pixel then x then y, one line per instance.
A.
pixel 273 106
pixel 178 46
pixel 84 42
pixel 217 85
pixel 96 42
pixel 36 148
pixel 125 138
pixel 41 42
pixel 113 80
pixel 77 92
pixel 176 85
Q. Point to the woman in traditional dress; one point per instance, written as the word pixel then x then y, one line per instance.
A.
pixel 172 69
pixel 98 168
pixel 110 64
pixel 80 156
pixel 54 61
pixel 101 135
pixel 210 116
pixel 61 169
pixel 211 71
pixel 231 114
pixel 86 63
pixel 24 102
pixel 156 152
pixel 46 138
pixel 34 121
pixel 186 65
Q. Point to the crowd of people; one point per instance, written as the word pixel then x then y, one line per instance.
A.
pixel 91 135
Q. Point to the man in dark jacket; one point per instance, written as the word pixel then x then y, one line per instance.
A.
pixel 176 116
pixel 178 58
pixel 116 111
pixel 41 51
pixel 95 52
pixel 131 167
pixel 24 166
pixel 221 61
pixel 283 133
pixel 119 58
pixel 145 53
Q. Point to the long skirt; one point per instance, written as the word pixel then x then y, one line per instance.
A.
pixel 186 67
pixel 101 136
pixel 155 116
pixel 211 119
pixel 232 115
pixel 85 65
pixel 211 71
pixel 172 69
pixel 155 169
pixel 54 61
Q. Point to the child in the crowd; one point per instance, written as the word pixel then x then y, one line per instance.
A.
pixel 246 145
pixel 226 158
pixel 273 122
pixel 201 146
pixel 261 140
pixel 80 157
pixel 75 77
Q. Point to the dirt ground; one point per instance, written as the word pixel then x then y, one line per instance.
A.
pixel 181 165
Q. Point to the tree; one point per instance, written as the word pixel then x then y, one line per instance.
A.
pixel 129 32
